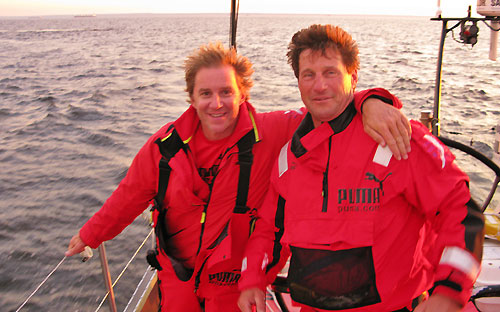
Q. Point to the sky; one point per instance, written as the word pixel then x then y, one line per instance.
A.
pixel 450 8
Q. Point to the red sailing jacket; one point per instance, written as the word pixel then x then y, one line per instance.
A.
pixel 366 232
pixel 187 193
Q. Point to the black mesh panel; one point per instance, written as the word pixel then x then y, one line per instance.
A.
pixel 333 280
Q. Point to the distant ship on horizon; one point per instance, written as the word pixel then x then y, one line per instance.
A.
pixel 85 15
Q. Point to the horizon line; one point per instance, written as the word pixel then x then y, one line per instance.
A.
pixel 205 13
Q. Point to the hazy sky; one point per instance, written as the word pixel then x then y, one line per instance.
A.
pixel 451 8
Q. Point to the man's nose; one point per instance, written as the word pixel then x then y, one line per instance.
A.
pixel 319 84
pixel 216 101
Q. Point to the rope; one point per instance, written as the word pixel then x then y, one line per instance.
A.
pixel 124 269
pixel 43 282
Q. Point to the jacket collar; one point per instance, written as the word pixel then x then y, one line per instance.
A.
pixel 306 137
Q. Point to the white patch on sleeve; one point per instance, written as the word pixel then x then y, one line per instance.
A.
pixel 265 261
pixel 283 160
pixel 298 111
pixel 439 148
pixel 462 260
pixel 244 264
pixel 382 155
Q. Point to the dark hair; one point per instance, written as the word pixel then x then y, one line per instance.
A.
pixel 319 38
pixel 213 55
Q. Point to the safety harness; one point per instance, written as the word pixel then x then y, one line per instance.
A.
pixel 169 147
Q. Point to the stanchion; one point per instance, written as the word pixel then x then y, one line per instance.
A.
pixel 107 278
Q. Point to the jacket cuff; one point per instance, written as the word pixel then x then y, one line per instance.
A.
pixel 379 93
pixel 251 278
pixel 87 238
pixel 457 271
pixel 461 297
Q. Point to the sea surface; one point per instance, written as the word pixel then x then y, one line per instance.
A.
pixel 79 97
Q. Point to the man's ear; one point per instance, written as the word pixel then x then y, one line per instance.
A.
pixel 354 79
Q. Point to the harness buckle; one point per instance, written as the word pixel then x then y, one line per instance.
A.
pixel 152 259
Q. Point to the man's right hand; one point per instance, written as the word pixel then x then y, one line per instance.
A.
pixel 387 125
pixel 252 297
pixel 76 245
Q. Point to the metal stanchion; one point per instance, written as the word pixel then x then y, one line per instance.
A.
pixel 107 278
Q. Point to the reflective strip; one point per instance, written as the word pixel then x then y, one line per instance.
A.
pixel 168 136
pixel 244 264
pixel 256 132
pixel 438 146
pixel 298 111
pixel 462 260
pixel 382 155
pixel 283 160
pixel 265 261
pixel 185 141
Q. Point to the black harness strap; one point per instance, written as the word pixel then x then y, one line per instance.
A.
pixel 245 160
pixel 169 148
pixel 279 222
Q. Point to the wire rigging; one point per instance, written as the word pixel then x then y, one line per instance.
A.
pixel 64 258
pixel 125 268
pixel 43 282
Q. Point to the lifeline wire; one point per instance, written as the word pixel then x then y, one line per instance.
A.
pixel 43 282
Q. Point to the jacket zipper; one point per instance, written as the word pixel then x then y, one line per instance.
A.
pixel 325 178
pixel 204 216
pixel 205 208
pixel 203 221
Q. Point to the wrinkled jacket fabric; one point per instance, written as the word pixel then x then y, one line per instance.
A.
pixel 333 188
pixel 187 194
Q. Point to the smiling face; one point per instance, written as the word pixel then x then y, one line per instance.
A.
pixel 325 85
pixel 217 99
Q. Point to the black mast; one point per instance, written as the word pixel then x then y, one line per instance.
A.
pixel 235 6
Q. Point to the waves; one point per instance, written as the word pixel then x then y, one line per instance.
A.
pixel 79 97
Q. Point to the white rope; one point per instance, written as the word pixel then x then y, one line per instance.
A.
pixel 43 282
pixel 124 269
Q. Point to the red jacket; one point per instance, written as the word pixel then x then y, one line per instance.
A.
pixel 187 193
pixel 360 223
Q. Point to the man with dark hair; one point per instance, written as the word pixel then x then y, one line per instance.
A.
pixel 207 172
pixel 366 231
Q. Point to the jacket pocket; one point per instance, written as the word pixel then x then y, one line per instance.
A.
pixel 333 280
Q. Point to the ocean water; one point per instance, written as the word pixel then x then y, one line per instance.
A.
pixel 79 97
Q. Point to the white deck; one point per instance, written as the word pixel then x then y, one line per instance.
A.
pixel 490 275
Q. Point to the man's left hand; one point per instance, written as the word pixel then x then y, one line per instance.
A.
pixel 438 303
pixel 387 126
